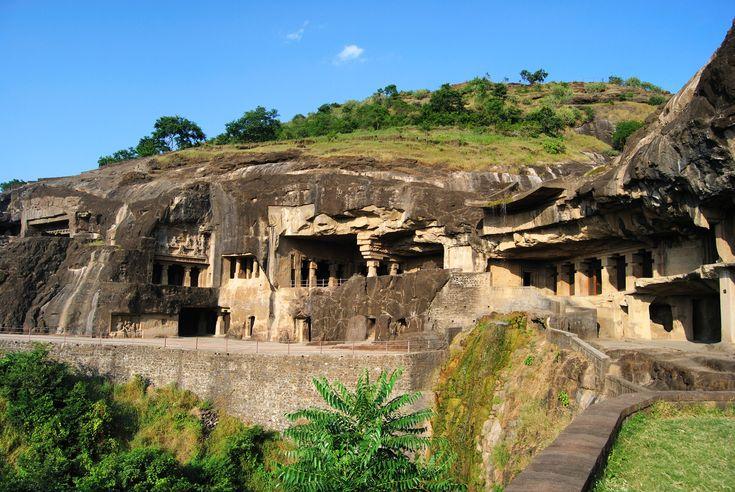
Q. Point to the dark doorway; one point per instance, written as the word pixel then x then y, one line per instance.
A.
pixel 175 275
pixel 197 322
pixel 595 277
pixel 251 325
pixel 383 268
pixel 706 324
pixel 527 279
pixel 620 275
pixel 195 277
pixel 157 273
pixel 661 314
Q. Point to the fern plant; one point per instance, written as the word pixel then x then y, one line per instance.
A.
pixel 364 440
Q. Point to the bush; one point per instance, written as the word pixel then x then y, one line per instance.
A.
pixel 554 146
pixel 546 121
pixel 614 79
pixel 119 156
pixel 13 183
pixel 623 130
pixel 656 100
pixel 596 87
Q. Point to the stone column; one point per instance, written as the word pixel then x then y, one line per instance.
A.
pixel 394 268
pixel 727 305
pixel 725 239
pixel 238 266
pixel 312 274
pixel 632 270
pixel 187 276
pixel 164 274
pixel 562 280
pixel 333 275
pixel 372 266
pixel 609 271
pixel 256 269
pixel 581 279
pixel 248 269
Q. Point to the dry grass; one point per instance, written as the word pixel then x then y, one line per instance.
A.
pixel 446 148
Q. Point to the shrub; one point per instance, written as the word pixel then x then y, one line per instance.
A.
pixel 546 121
pixel 13 183
pixel 563 398
pixel 362 441
pixel 623 130
pixel 554 146
pixel 528 360
pixel 596 87
pixel 614 79
pixel 656 100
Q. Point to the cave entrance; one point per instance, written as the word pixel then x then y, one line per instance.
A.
pixel 661 314
pixel 706 324
pixel 197 322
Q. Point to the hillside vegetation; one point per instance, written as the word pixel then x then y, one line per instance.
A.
pixel 476 125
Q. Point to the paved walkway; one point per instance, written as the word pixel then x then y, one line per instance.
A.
pixel 218 344
pixel 716 349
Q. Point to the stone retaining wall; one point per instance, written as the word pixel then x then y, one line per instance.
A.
pixel 259 388
pixel 570 341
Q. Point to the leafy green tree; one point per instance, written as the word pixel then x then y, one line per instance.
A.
pixel 446 100
pixel 363 441
pixel 623 130
pixel 175 132
pixel 119 156
pixel 13 183
pixel 534 77
pixel 258 125
pixel 614 79
pixel 546 120
pixel 148 146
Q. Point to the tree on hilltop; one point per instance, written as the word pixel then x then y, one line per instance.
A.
pixel 258 125
pixel 175 133
pixel 536 77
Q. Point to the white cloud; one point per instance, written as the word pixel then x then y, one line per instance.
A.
pixel 351 52
pixel 297 34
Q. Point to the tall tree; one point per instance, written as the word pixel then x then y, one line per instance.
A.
pixel 257 125
pixel 176 132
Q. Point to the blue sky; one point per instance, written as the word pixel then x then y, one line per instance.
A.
pixel 84 78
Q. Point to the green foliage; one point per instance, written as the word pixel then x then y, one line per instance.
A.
pixel 528 360
pixel 534 77
pixel 656 100
pixel 614 79
pixel 169 133
pixel 257 125
pixel 62 431
pixel 596 87
pixel 9 185
pixel 176 132
pixel 545 120
pixel 363 441
pixel 554 145
pixel 119 156
pixel 623 130
pixel 466 387
pixel 563 398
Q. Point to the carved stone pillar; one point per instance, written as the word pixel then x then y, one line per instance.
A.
pixel 372 266
pixel 609 272
pixel 333 275
pixel 727 305
pixel 394 268
pixel 562 279
pixel 238 266
pixel 632 270
pixel 581 278
pixel 312 274
pixel 187 276
pixel 164 274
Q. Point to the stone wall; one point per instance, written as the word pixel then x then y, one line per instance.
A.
pixel 259 388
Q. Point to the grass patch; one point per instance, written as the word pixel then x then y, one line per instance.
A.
pixel 447 148
pixel 673 448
